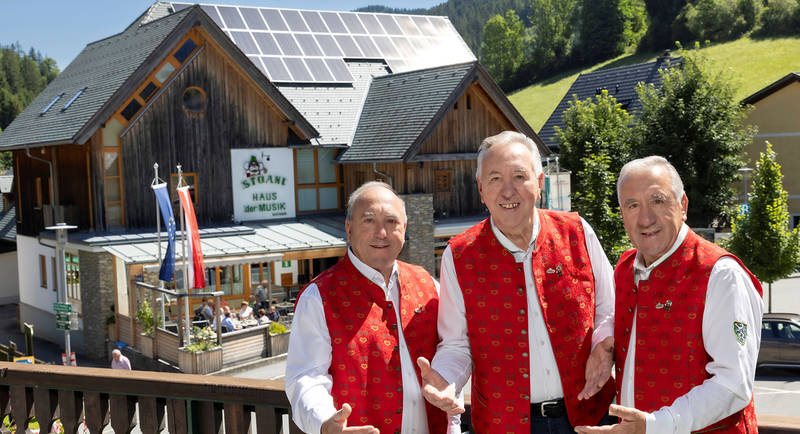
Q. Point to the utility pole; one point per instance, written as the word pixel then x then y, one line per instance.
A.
pixel 61 283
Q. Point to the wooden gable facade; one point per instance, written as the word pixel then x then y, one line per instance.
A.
pixel 196 101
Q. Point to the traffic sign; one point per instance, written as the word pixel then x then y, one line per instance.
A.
pixel 62 307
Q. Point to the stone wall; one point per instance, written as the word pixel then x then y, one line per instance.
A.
pixel 98 288
pixel 419 233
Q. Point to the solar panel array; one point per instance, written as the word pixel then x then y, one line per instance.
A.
pixel 305 46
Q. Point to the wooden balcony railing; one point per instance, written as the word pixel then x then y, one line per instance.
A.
pixel 177 403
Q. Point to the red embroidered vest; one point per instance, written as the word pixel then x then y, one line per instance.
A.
pixel 495 297
pixel 365 363
pixel 669 322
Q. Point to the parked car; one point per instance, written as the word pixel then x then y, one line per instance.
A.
pixel 780 340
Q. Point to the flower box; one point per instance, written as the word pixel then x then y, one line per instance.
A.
pixel 203 362
pixel 278 344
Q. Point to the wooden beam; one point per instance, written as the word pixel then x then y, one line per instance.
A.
pixel 313 254
pixel 470 156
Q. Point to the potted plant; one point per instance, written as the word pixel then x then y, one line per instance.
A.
pixel 278 339
pixel 144 316
pixel 203 355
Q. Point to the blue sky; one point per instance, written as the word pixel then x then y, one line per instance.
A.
pixel 61 28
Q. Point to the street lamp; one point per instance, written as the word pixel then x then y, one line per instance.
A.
pixel 61 242
pixel 745 171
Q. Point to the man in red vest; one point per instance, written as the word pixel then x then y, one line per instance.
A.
pixel 358 327
pixel 527 295
pixel 688 317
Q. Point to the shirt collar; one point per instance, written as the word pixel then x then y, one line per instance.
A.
pixel 518 253
pixel 372 274
pixel 638 263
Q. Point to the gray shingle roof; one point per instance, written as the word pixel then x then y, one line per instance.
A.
pixel 399 107
pixel 333 110
pixel 8 224
pixel 102 68
pixel 621 84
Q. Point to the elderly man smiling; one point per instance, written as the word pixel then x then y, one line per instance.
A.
pixel 359 325
pixel 688 319
pixel 526 295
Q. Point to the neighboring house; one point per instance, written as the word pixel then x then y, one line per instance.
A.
pixel 9 284
pixel 275 116
pixel 620 83
pixel 776 113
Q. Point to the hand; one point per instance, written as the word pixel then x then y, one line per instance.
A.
pixel 437 390
pixel 633 422
pixel 338 424
pixel 598 368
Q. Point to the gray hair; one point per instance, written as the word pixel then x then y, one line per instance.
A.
pixel 647 163
pixel 507 138
pixel 356 195
pixel 116 352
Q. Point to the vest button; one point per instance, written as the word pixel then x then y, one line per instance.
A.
pixel 524 332
pixel 525 375
pixel 397 368
pixel 634 290
pixel 526 397
pixel 399 389
pixel 396 347
pixel 522 311
pixel 520 290
pixel 623 349
pixel 627 330
pixel 524 420
pixel 389 305
pixel 524 354
pixel 630 310
pixel 519 269
pixel 393 326
pixel 399 410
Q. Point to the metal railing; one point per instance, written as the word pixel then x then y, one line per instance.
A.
pixel 99 397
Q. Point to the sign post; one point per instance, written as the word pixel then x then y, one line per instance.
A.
pixel 63 309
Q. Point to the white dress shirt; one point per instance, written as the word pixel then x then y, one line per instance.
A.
pixel 308 384
pixel 453 359
pixel 730 297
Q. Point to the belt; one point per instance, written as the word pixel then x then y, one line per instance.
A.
pixel 548 409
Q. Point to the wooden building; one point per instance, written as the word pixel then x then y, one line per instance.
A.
pixel 275 116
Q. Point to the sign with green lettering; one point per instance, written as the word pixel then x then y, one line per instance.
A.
pixel 263 183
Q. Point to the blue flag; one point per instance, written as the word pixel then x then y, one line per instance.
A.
pixel 168 265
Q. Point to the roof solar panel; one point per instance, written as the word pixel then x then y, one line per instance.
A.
pixel 180 6
pixel 367 46
pixel 405 48
pixel 348 45
pixel 231 17
pixel 397 65
pixel 328 45
pixel 408 26
pixel 318 69
pixel 389 24
pixel 212 12
pixel 294 20
pixel 371 23
pixel 253 19
pixel 339 69
pixel 266 43
pixel 298 69
pixel 425 25
pixel 257 61
pixel 307 43
pixel 333 21
pixel 386 47
pixel 353 23
pixel 245 42
pixel 287 44
pixel 276 69
pixel 314 21
pixel 273 19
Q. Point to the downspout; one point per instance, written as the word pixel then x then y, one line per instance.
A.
pixel 52 179
pixel 385 175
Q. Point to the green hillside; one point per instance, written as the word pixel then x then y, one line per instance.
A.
pixel 753 63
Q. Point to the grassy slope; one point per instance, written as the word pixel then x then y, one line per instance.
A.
pixel 751 63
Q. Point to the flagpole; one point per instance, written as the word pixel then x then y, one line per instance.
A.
pixel 158 237
pixel 185 265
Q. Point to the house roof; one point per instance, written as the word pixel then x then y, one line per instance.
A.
pixel 620 82
pixel 402 110
pixel 8 225
pixel 107 70
pixel 772 88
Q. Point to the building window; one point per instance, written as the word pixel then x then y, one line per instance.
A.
pixel 73 276
pixel 190 179
pixel 194 101
pixel 148 91
pixel 55 275
pixel 444 181
pixel 112 165
pixel 185 50
pixel 131 109
pixel 42 271
pixel 318 180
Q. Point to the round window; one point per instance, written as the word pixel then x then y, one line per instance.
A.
pixel 194 100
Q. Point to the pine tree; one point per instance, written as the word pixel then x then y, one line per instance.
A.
pixel 760 237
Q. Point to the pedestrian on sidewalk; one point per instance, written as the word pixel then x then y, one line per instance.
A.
pixel 119 361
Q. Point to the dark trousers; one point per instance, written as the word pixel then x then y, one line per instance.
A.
pixel 560 425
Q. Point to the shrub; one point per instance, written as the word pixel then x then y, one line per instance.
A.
pixel 202 340
pixel 276 328
pixel 716 20
pixel 780 17
pixel 144 315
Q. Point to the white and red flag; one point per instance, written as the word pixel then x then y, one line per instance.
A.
pixel 194 252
